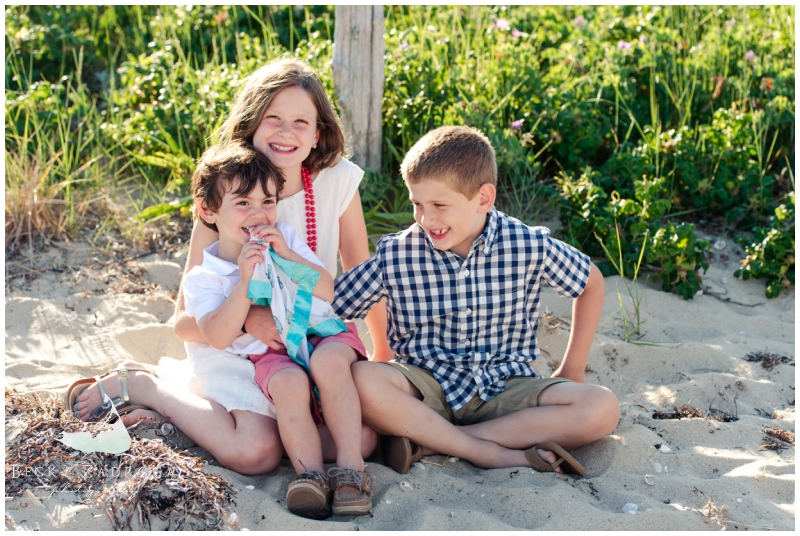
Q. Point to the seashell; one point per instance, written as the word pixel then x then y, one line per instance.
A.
pixel 454 459
pixel 250 487
pixel 405 486
pixel 720 244
pixel 622 440
pixel 630 508
pixel 167 429
pixel 234 519
pixel 656 467
pixel 648 479
pixel 419 464
pixel 738 500
pixel 451 514
pixel 388 501
pixel 73 315
pixel 665 449
pixel 723 280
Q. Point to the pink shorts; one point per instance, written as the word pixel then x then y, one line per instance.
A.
pixel 269 363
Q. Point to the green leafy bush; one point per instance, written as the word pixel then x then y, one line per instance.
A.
pixel 770 253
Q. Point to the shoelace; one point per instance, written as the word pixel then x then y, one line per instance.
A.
pixel 318 475
pixel 347 476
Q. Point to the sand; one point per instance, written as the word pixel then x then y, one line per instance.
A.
pixel 83 320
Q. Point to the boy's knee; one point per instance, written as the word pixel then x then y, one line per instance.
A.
pixel 331 359
pixel 289 383
pixel 605 409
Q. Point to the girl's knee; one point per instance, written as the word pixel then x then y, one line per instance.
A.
pixel 253 456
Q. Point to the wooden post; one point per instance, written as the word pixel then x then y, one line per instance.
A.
pixel 358 75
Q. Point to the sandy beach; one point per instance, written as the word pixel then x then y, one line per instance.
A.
pixel 681 474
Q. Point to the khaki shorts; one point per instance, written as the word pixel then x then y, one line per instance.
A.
pixel 521 392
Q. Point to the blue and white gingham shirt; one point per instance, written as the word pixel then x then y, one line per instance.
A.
pixel 471 322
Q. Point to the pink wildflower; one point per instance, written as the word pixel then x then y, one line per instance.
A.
pixel 731 23
pixel 517 125
pixel 501 24
pixel 643 38
pixel 750 55
pixel 515 32
pixel 579 21
pixel 624 45
pixel 403 46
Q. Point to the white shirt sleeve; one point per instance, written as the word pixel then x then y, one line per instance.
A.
pixel 351 176
pixel 202 292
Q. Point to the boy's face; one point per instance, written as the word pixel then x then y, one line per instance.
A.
pixel 452 221
pixel 237 213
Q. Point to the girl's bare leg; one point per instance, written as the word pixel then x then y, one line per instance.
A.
pixel 243 441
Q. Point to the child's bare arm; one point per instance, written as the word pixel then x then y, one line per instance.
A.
pixel 354 249
pixel 586 310
pixel 221 326
pixel 185 326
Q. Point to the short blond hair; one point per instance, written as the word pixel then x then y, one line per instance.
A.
pixel 460 156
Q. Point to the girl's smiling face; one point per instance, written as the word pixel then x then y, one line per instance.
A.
pixel 288 129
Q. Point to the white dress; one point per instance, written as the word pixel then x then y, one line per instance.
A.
pixel 228 378
pixel 334 188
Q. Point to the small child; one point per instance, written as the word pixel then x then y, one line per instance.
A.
pixel 462 287
pixel 236 190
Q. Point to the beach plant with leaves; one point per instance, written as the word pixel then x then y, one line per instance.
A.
pixel 771 251
pixel 640 115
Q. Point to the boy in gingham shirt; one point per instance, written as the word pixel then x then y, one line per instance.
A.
pixel 462 287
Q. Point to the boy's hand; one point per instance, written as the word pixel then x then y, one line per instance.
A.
pixel 273 236
pixel 261 324
pixel 252 254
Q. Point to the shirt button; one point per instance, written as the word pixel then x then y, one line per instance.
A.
pixel 467 342
pixel 466 273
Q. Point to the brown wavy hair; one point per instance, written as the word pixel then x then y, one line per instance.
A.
pixel 235 167
pixel 256 95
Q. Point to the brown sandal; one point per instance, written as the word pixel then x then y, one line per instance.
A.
pixel 122 403
pixel 399 453
pixel 568 463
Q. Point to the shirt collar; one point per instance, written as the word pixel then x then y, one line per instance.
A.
pixel 213 263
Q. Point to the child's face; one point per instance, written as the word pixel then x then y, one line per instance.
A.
pixel 452 221
pixel 288 129
pixel 237 213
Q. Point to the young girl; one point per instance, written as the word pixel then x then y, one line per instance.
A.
pixel 284 112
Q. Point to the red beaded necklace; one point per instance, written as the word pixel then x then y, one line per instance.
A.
pixel 311 220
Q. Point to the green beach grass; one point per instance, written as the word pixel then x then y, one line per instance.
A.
pixel 634 121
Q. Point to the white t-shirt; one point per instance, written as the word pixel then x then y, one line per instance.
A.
pixel 207 285
pixel 334 188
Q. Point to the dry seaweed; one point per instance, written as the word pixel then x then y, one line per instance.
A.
pixel 150 479
pixel 776 439
pixel 687 412
pixel 768 360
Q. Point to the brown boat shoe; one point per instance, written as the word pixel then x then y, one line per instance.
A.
pixel 351 491
pixel 309 495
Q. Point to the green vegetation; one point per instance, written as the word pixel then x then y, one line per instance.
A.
pixel 637 121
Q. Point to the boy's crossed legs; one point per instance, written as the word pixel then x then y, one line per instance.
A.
pixel 569 414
